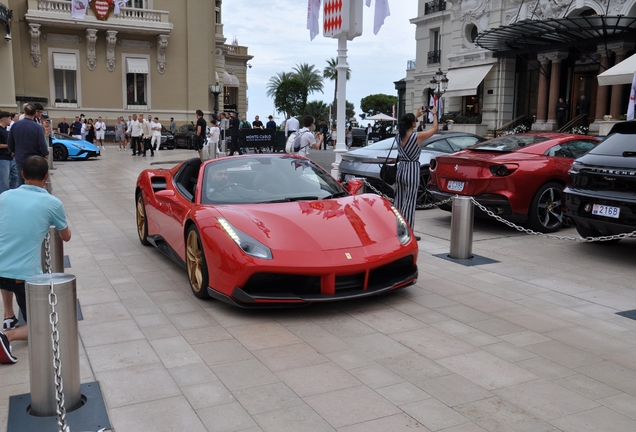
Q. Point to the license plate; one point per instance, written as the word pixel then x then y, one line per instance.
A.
pixel 348 177
pixel 609 211
pixel 456 186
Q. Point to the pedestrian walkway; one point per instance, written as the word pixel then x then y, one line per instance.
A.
pixel 529 343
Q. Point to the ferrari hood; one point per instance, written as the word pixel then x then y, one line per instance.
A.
pixel 349 222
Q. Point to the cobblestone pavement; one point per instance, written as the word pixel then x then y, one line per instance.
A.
pixel 529 343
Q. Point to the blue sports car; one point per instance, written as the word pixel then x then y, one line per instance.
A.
pixel 67 147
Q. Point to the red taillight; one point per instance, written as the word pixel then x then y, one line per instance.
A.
pixel 503 169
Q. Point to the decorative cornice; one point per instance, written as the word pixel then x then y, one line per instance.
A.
pixel 91 40
pixel 36 57
pixel 111 40
pixel 162 44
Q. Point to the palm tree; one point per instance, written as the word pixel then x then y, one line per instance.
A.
pixel 275 81
pixel 309 76
pixel 331 73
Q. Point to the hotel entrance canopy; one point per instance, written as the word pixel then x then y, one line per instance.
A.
pixel 530 36
pixel 622 73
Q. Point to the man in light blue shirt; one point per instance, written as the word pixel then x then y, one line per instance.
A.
pixel 26 213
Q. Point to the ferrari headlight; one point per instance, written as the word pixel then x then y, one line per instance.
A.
pixel 403 231
pixel 247 244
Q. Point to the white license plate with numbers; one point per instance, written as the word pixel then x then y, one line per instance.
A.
pixel 456 186
pixel 609 211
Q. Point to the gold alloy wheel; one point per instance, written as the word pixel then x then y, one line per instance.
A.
pixel 194 261
pixel 141 219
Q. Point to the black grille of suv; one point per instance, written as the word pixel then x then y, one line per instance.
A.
pixel 597 180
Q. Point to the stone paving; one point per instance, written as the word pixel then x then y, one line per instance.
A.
pixel 530 343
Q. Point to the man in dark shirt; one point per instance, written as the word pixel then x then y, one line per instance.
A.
pixel 76 128
pixel 257 123
pixel 234 133
pixel 271 124
pixel 63 127
pixel 322 127
pixel 584 108
pixel 562 109
pixel 27 139
pixel 8 173
pixel 200 133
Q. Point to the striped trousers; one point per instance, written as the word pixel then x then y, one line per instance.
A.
pixel 407 182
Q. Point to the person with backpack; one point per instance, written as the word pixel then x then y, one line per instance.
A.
pixel 307 137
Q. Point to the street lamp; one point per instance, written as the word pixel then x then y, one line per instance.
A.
pixel 439 83
pixel 216 90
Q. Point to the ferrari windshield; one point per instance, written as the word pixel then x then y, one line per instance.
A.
pixel 509 143
pixel 267 179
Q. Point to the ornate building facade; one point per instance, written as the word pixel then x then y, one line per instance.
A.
pixel 510 58
pixel 152 56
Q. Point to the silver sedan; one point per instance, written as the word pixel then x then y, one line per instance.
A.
pixel 366 162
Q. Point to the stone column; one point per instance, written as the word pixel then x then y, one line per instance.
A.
pixel 555 78
pixel 621 51
pixel 542 100
pixel 7 95
pixel 602 91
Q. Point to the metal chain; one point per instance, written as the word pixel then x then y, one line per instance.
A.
pixel 551 236
pixel 55 341
pixel 418 207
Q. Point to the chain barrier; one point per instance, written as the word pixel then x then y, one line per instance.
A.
pixel 551 236
pixel 417 207
pixel 55 341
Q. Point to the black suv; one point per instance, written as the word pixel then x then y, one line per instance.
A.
pixel 601 196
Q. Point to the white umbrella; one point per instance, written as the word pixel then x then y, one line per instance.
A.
pixel 381 117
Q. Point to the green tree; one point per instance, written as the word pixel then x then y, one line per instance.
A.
pixel 351 111
pixel 318 110
pixel 275 81
pixel 309 76
pixel 331 73
pixel 376 104
pixel 291 96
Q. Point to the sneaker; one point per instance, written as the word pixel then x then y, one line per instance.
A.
pixel 103 148
pixel 5 351
pixel 134 154
pixel 10 323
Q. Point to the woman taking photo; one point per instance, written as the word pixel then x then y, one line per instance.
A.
pixel 90 131
pixel 407 180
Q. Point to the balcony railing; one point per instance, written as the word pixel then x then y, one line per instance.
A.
pixel 434 6
pixel 410 64
pixel 434 57
pixel 236 49
pixel 58 13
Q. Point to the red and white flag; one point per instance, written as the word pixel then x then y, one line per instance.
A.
pixel 381 12
pixel 632 100
pixel 394 115
pixel 78 9
pixel 313 11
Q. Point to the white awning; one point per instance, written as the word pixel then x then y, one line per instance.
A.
pixel 464 81
pixel 235 81
pixel 622 73
pixel 64 61
pixel 227 79
pixel 216 74
pixel 137 65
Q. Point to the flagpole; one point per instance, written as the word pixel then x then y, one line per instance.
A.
pixel 341 69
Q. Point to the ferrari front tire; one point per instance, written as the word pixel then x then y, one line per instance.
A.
pixel 196 264
pixel 142 222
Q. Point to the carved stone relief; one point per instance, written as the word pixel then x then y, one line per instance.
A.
pixel 91 40
pixel 162 44
pixel 36 57
pixel 111 40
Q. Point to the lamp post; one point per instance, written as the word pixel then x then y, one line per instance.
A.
pixel 216 90
pixel 439 84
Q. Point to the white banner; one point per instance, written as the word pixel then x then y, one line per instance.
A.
pixel 381 12
pixel 313 11
pixel 632 100
pixel 78 9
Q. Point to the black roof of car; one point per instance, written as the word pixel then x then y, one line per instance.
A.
pixel 626 127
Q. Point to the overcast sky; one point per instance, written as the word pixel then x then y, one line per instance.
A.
pixel 276 35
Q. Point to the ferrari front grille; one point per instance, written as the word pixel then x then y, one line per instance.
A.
pixel 352 282
pixel 264 284
pixel 391 273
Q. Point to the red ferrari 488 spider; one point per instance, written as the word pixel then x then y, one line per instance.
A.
pixel 519 177
pixel 272 230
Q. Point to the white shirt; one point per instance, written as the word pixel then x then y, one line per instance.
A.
pixel 134 129
pixel 100 126
pixel 291 125
pixel 156 128
pixel 307 139
pixel 215 133
pixel 145 127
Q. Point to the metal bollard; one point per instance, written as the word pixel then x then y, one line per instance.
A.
pixel 57 252
pixel 42 372
pixel 461 241
pixel 50 158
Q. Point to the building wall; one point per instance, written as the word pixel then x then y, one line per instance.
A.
pixel 190 63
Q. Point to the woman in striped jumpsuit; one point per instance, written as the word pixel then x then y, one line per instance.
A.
pixel 407 179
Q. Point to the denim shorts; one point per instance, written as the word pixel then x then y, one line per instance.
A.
pixel 16 287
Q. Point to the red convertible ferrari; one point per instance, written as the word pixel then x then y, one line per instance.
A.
pixel 519 177
pixel 272 230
